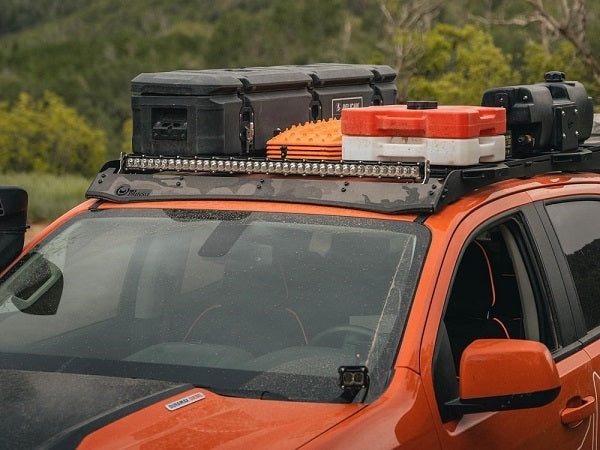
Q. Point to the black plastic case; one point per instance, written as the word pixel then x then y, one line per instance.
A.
pixel 555 115
pixel 176 113
pixel 236 111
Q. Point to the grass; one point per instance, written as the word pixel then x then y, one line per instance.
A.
pixel 49 195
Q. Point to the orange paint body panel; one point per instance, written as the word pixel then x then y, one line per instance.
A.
pixel 221 422
pixel 449 122
pixel 401 417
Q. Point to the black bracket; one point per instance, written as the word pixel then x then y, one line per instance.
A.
pixel 353 379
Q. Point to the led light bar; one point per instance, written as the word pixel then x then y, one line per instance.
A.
pixel 375 169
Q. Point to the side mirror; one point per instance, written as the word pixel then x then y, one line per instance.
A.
pixel 13 223
pixel 505 374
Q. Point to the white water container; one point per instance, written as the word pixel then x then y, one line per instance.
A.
pixel 444 152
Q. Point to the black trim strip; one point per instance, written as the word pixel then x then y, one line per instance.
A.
pixel 504 402
pixel 96 205
pixel 566 351
pixel 592 336
pixel 564 277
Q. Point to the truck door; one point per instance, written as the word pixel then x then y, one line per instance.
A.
pixel 500 280
pixel 576 241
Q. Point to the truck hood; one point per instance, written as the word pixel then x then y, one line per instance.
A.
pixel 61 410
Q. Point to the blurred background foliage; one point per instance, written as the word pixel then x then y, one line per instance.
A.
pixel 66 65
pixel 45 135
pixel 49 195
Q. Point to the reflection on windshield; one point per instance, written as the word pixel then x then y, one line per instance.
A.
pixel 206 292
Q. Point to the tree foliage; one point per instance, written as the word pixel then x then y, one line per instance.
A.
pixel 294 33
pixel 458 65
pixel 564 57
pixel 405 22
pixel 45 135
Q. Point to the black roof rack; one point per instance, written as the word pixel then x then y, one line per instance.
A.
pixel 461 182
pixel 442 185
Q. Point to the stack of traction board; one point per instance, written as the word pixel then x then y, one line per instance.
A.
pixel 446 135
pixel 313 140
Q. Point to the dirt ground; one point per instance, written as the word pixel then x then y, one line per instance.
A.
pixel 33 230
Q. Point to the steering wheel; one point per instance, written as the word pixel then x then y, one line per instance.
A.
pixel 323 336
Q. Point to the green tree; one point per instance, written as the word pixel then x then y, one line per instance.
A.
pixel 548 23
pixel 233 43
pixel 296 33
pixel 458 65
pixel 568 19
pixel 45 135
pixel 306 32
pixel 563 57
pixel 402 25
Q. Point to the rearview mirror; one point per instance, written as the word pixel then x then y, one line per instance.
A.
pixel 504 374
pixel 13 223
pixel 34 288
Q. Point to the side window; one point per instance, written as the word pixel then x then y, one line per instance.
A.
pixel 495 294
pixel 492 295
pixel 576 225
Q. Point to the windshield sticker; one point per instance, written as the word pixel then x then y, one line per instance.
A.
pixel 180 403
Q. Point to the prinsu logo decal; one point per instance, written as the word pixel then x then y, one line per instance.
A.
pixel 126 190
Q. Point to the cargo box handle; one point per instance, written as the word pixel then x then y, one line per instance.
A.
pixel 410 125
pixel 247 131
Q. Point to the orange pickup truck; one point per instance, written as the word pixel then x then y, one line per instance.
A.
pixel 284 301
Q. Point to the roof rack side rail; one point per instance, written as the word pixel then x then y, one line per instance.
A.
pixel 460 182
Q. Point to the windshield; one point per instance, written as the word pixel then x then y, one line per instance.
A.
pixel 244 303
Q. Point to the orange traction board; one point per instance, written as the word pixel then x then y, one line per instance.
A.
pixel 451 122
pixel 312 140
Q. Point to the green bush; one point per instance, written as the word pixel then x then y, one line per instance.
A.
pixel 45 135
pixel 49 195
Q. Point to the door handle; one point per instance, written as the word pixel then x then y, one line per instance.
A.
pixel 573 416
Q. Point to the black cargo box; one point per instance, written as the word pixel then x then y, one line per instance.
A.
pixel 236 111
pixel 338 86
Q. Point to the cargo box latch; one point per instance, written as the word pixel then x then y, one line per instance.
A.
pixel 247 128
